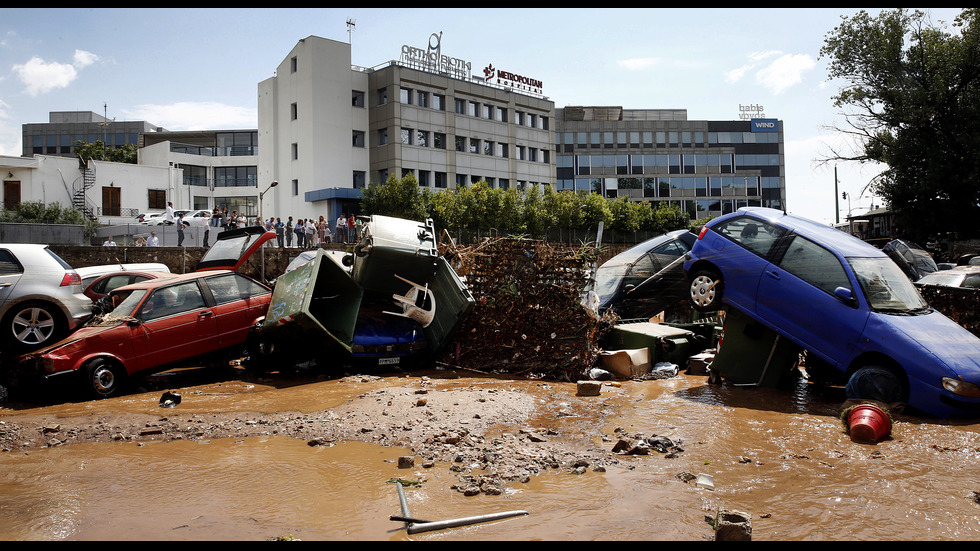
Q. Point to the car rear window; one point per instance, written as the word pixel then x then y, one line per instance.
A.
pixel 58 259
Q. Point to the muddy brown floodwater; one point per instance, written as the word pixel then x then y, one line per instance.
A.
pixel 312 458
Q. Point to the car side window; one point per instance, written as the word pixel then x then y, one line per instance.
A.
pixel 231 287
pixel 175 299
pixel 814 264
pixel 972 280
pixel 8 264
pixel 755 235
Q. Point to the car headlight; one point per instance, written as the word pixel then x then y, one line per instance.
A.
pixel 961 388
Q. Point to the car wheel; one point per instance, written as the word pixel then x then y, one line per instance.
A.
pixel 706 291
pixel 877 383
pixel 103 378
pixel 31 325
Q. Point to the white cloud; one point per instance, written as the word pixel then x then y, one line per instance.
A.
pixel 189 115
pixel 84 59
pixel 785 72
pixel 40 76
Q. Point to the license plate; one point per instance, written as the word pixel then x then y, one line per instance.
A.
pixel 389 361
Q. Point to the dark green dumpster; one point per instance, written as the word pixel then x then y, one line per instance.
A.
pixel 752 354
pixel 314 306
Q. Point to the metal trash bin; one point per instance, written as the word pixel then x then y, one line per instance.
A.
pixel 752 354
pixel 315 305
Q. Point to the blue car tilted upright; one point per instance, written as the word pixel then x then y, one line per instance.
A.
pixel 841 299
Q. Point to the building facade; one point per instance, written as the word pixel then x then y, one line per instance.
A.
pixel 707 168
pixel 328 129
pixel 64 128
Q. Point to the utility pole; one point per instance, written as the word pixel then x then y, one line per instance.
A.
pixel 836 202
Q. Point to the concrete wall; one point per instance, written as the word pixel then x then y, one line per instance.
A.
pixel 64 234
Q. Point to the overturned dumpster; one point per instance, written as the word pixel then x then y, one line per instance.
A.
pixel 398 301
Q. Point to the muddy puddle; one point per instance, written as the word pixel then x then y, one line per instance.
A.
pixel 781 456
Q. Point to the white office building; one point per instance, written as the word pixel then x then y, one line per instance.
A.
pixel 328 129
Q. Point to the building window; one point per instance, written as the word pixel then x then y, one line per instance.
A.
pixel 502 114
pixel 405 96
pixel 383 136
pixel 295 188
pixel 460 106
pixel 474 145
pixel 438 102
pixel 440 180
pixel 423 99
pixel 423 178
pixel 439 140
pixel 422 138
pixel 406 136
pixel 460 144
pixel 295 151
pixel 359 179
pixel 293 111
pixel 357 138
pixel 357 98
pixel 473 109
pixel 383 96
pixel 292 64
pixel 156 199
pixel 501 150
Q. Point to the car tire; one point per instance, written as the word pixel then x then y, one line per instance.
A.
pixel 877 383
pixel 103 378
pixel 706 290
pixel 31 325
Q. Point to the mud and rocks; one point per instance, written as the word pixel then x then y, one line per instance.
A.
pixel 488 436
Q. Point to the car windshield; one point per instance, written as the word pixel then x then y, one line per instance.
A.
pixel 886 287
pixel 128 304
pixel 942 278
pixel 607 278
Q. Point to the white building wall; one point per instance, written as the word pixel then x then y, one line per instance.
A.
pixel 313 149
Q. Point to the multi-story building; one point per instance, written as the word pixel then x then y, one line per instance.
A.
pixel 328 129
pixel 64 128
pixel 708 168
pixel 217 167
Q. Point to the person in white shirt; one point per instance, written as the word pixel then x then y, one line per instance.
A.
pixel 170 213
pixel 109 242
pixel 153 241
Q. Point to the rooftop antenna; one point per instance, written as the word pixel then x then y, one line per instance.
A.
pixel 350 29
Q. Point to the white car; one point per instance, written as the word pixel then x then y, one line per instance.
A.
pixel 195 217
pixel 41 298
pixel 154 219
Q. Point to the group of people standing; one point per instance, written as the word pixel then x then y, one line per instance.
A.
pixel 306 233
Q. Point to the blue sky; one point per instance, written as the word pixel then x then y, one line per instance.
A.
pixel 186 69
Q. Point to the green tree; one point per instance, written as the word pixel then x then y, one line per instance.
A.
pixel 400 198
pixel 911 95
pixel 98 151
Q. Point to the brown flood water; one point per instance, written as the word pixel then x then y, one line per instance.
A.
pixel 780 455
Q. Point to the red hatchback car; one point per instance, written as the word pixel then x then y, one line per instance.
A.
pixel 160 322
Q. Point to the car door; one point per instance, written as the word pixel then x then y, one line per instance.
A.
pixel 176 324
pixel 742 246
pixel 796 296
pixel 10 273
pixel 238 302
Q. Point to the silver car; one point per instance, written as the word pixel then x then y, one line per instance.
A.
pixel 41 298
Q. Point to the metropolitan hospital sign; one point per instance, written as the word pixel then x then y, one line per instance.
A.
pixel 431 60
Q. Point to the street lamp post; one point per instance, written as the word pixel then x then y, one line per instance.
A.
pixel 262 221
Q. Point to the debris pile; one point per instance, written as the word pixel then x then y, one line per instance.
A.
pixel 528 318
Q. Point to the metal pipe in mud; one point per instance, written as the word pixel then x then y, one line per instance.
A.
pixel 417 527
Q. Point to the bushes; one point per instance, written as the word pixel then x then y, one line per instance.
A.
pixel 482 210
